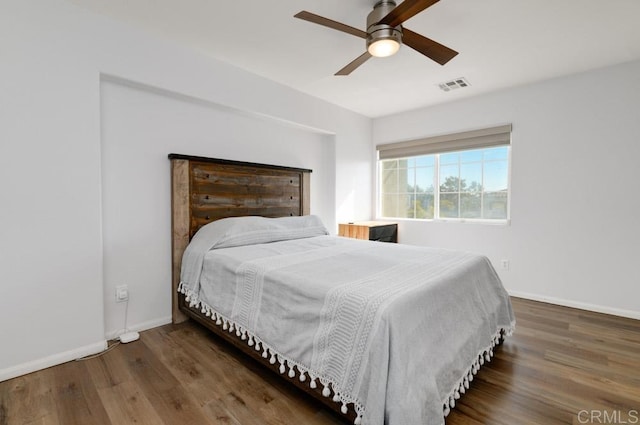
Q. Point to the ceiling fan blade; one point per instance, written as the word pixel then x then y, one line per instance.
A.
pixel 354 64
pixel 406 10
pixel 431 49
pixel 320 20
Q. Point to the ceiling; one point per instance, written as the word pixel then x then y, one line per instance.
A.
pixel 502 43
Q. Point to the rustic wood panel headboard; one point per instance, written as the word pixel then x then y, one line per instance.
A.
pixel 207 189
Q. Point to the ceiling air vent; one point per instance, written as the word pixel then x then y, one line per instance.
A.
pixel 454 84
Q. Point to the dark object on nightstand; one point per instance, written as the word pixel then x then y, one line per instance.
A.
pixel 380 231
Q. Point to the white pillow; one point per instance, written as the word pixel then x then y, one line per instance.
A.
pixel 238 231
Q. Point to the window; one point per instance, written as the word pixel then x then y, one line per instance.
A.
pixel 470 184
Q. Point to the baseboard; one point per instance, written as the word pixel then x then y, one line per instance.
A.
pixel 576 304
pixel 56 359
pixel 150 324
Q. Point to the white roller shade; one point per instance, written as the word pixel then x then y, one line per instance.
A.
pixel 475 139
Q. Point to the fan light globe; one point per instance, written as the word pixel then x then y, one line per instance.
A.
pixel 384 48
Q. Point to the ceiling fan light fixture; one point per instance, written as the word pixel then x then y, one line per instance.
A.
pixel 385 32
pixel 384 48
pixel 382 40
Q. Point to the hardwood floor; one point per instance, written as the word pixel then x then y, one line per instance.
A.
pixel 562 366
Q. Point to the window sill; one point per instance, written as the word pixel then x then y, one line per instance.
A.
pixel 506 222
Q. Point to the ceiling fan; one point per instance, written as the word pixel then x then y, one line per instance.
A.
pixel 385 32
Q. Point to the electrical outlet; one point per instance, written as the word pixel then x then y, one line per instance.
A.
pixel 504 263
pixel 122 293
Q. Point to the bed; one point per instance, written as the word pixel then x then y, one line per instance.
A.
pixel 382 333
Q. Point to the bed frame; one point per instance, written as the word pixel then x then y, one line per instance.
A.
pixel 207 189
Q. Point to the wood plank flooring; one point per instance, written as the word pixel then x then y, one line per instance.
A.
pixel 562 366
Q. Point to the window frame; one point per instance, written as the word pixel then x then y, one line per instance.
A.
pixel 437 193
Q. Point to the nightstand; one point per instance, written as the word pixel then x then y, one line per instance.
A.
pixel 381 231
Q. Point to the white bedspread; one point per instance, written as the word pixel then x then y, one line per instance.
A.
pixel 397 330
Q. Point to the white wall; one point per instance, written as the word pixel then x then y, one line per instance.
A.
pixel 574 233
pixel 139 128
pixel 64 73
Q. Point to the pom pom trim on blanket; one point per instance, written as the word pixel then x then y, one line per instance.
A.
pixel 305 374
pixel 485 354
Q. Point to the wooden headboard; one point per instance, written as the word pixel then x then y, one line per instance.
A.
pixel 208 189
